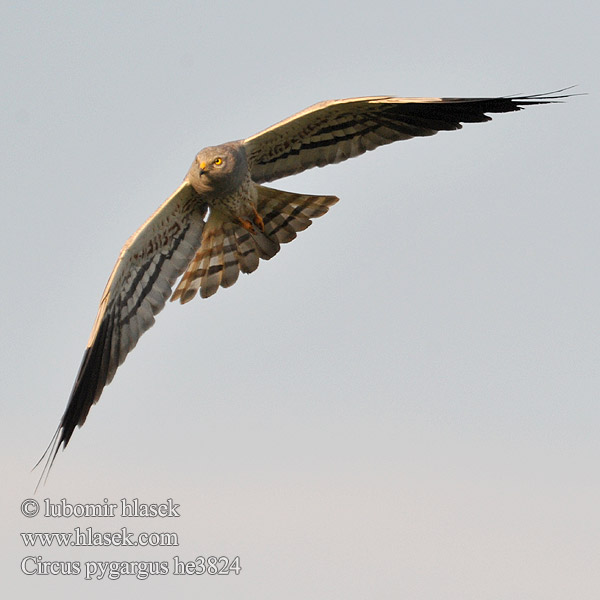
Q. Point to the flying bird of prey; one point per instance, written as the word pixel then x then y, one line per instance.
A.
pixel 246 220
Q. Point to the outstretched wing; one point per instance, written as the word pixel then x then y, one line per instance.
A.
pixel 140 284
pixel 333 131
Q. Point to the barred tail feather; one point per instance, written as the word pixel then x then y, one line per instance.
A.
pixel 286 213
pixel 227 248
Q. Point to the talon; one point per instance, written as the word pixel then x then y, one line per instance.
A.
pixel 247 225
pixel 258 220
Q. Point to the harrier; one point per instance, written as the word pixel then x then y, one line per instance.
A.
pixel 246 220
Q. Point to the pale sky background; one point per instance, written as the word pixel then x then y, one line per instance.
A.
pixel 404 402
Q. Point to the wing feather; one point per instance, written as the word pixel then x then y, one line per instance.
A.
pixel 228 249
pixel 138 288
pixel 333 131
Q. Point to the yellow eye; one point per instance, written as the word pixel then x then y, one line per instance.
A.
pixel 218 161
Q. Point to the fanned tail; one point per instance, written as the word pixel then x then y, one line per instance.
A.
pixel 228 248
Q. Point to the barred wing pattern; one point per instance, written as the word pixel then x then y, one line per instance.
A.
pixel 333 131
pixel 175 239
pixel 138 288
pixel 228 249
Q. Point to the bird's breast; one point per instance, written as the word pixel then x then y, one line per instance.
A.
pixel 238 203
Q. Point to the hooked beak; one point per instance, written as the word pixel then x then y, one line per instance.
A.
pixel 201 167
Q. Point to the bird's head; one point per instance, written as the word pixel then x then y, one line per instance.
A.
pixel 218 170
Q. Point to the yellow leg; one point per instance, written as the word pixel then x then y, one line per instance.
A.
pixel 258 220
pixel 247 225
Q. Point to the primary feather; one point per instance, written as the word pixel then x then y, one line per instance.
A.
pixel 247 220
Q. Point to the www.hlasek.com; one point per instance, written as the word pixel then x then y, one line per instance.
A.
pixel 90 537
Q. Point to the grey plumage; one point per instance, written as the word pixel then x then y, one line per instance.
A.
pixel 247 220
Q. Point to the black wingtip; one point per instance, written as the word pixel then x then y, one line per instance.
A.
pixel 86 390
pixel 50 455
pixel 547 97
